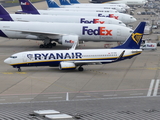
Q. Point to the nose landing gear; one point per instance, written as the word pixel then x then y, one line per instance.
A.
pixel 49 45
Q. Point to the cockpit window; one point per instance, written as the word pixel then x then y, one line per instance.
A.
pixel 131 17
pixel 13 56
pixel 120 22
pixel 131 31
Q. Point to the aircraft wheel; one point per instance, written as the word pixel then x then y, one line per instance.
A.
pixel 49 46
pixel 41 46
pixel 53 44
pixel 80 69
pixel 19 69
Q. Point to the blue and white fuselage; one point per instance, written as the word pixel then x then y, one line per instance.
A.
pixel 75 57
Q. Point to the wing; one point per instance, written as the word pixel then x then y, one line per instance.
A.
pixel 92 62
pixel 40 34
pixel 95 62
pixel 65 39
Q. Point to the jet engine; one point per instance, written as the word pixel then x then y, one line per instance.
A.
pixel 68 40
pixel 67 66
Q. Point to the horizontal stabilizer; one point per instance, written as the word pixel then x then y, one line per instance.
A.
pixel 20 12
pixel 87 62
pixel 136 51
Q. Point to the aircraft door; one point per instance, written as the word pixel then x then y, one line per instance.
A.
pixel 24 57
pixel 118 32
pixel 110 22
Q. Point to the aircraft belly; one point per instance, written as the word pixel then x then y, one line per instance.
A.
pixel 97 38
pixel 43 63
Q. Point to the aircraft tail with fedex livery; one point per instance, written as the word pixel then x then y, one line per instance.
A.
pixel 27 7
pixel 4 15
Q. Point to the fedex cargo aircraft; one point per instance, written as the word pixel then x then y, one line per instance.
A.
pixel 118 5
pixel 63 33
pixel 127 2
pixel 5 16
pixel 27 7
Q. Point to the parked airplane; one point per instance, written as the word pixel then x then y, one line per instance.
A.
pixel 119 5
pixel 5 16
pixel 71 59
pixel 27 7
pixel 53 6
pixel 65 3
pixel 128 2
pixel 63 33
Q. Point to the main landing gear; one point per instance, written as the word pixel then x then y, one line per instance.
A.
pixel 19 69
pixel 49 45
pixel 80 68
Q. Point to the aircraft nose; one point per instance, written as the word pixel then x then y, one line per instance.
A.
pixel 128 7
pixel 123 24
pixel 7 61
pixel 133 19
pixel 124 10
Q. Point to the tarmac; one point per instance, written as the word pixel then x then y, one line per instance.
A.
pixel 126 90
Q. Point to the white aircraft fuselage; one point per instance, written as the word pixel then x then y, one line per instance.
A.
pixel 119 9
pixel 85 32
pixel 102 5
pixel 128 2
pixel 66 19
pixel 125 18
pixel 83 9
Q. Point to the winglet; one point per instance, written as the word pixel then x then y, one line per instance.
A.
pixel 135 39
pixel 28 7
pixel 64 2
pixel 121 56
pixel 74 46
pixel 52 4
pixel 74 2
pixel 76 42
pixel 4 15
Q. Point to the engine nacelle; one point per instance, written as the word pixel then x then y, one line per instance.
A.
pixel 67 66
pixel 68 40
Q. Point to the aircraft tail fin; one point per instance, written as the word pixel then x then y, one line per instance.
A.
pixel 135 39
pixel 28 7
pixel 74 2
pixel 4 15
pixel 64 2
pixel 52 4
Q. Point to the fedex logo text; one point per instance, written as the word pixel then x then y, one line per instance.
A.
pixel 69 41
pixel 99 31
pixel 94 21
pixel 25 3
pixel 110 16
